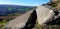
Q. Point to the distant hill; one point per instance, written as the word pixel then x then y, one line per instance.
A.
pixel 10 9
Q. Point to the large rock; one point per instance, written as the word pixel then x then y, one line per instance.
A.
pixel 44 13
pixel 18 22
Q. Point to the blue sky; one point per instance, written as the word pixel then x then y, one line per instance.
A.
pixel 24 2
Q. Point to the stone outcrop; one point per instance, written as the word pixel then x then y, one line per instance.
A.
pixel 44 13
pixel 18 22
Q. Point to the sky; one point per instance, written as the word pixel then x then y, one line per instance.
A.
pixel 24 2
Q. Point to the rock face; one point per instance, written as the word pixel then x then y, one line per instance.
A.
pixel 44 18
pixel 44 13
pixel 19 22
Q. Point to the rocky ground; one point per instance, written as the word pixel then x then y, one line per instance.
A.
pixel 19 21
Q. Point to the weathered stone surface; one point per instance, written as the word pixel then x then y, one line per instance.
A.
pixel 44 14
pixel 18 22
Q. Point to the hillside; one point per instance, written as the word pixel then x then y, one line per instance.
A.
pixel 55 3
pixel 9 12
pixel 10 9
